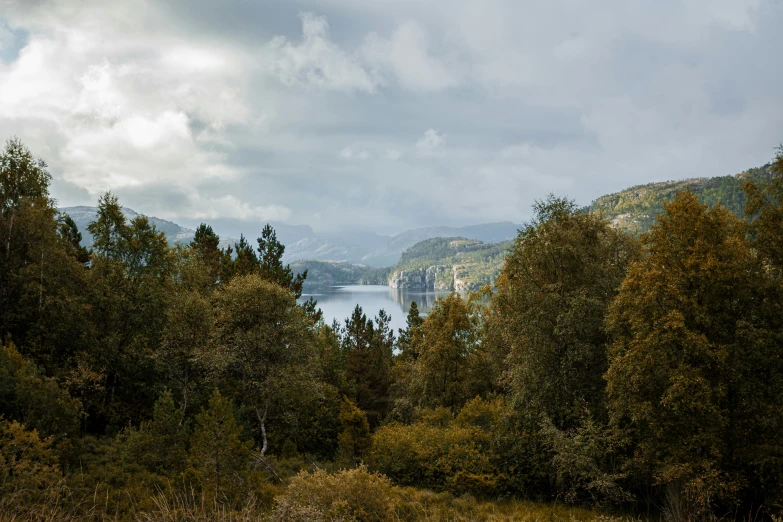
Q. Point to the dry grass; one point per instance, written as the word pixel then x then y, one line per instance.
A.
pixel 401 504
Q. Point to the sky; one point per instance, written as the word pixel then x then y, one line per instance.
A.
pixel 385 115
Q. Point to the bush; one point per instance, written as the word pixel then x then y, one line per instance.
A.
pixel 28 466
pixel 437 453
pixel 354 494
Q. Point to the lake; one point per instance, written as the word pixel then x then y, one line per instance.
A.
pixel 338 302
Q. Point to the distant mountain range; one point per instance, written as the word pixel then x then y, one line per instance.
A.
pixel 302 243
pixel 633 210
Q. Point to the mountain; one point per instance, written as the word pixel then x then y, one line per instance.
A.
pixel 635 209
pixel 449 263
pixel 175 233
pixel 389 253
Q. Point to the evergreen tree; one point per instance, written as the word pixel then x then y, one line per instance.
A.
pixel 218 456
pixel 213 261
pixel 368 357
pixel 765 203
pixel 270 257
pixel 160 444
pixel 73 239
pixel 246 261
pixel 409 338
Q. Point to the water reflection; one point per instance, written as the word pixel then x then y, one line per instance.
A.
pixel 338 302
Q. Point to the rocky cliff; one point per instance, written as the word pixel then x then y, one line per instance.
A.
pixel 438 277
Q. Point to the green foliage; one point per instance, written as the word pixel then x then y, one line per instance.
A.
pixel 354 494
pixel 635 209
pixel 444 371
pixel 367 354
pixel 185 339
pixel 547 314
pixel 38 401
pixel 355 438
pixel 765 203
pixel 270 259
pixel 695 377
pixel 218 456
pixel 262 343
pixel 471 262
pixel 160 444
pixel 28 465
pixel 438 453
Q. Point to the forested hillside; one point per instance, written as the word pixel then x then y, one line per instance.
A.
pixel 635 209
pixel 604 377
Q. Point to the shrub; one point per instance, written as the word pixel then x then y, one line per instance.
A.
pixel 355 494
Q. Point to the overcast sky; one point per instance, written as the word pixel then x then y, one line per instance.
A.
pixel 385 114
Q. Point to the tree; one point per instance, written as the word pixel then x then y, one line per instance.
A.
pixel 28 396
pixel 766 205
pixel 270 258
pixel 409 338
pixel 42 287
pixel 263 343
pixel 355 438
pixel 441 374
pixel 28 465
pixel 695 378
pixel 73 239
pixel 130 280
pixel 218 456
pixel 213 264
pixel 547 314
pixel 245 262
pixel 160 444
pixel 181 358
pixel 368 357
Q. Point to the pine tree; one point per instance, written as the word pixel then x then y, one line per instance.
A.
pixel 368 358
pixel 409 338
pixel 245 262
pixel 160 444
pixel 270 258
pixel 73 238
pixel 218 456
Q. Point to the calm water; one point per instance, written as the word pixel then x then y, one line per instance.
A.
pixel 338 302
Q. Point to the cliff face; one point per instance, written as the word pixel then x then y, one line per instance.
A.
pixel 437 277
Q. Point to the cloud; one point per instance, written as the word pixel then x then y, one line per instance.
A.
pixel 431 144
pixel 251 111
pixel 316 61
pixel 407 57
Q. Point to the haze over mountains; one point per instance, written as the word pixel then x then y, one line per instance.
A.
pixel 302 242
pixel 633 209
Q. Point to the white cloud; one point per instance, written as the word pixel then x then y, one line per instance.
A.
pixel 431 144
pixel 232 207
pixel 316 61
pixel 407 56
